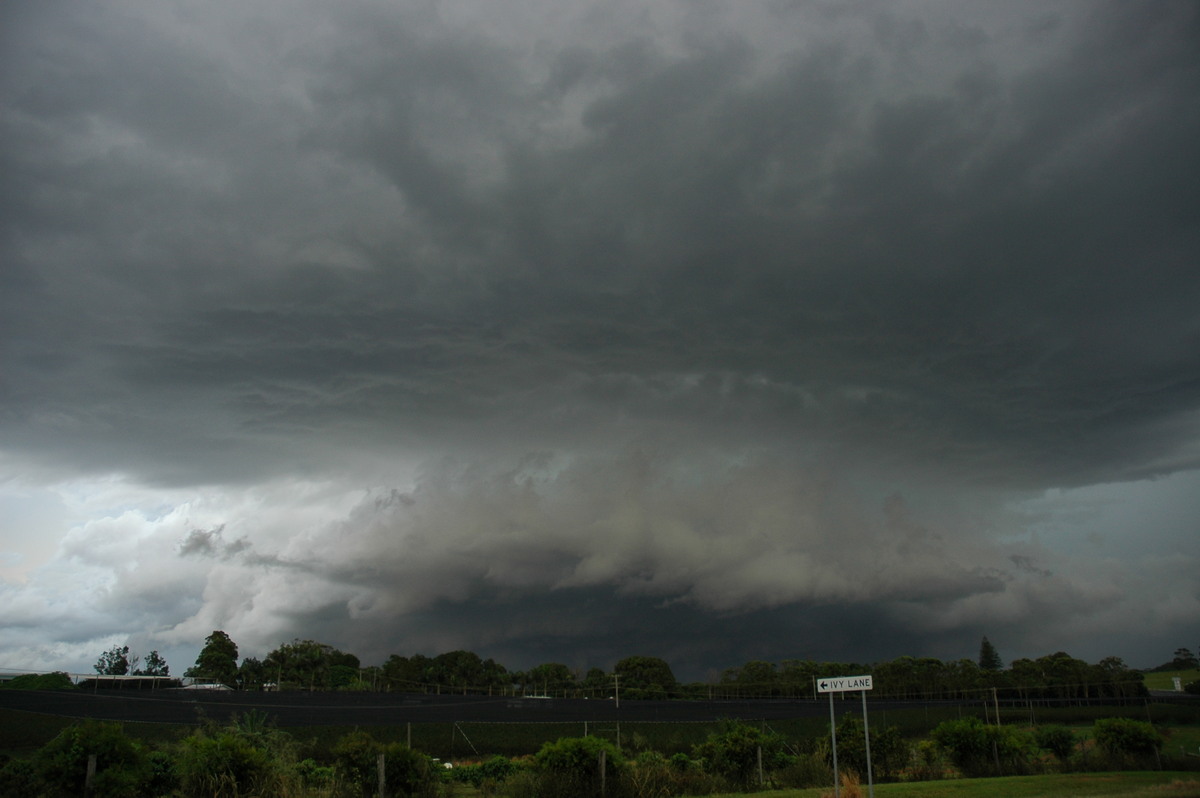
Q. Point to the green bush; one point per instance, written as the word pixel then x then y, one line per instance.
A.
pixel 1126 742
pixel 163 778
pixel 733 753
pixel 978 749
pixel 122 767
pixel 806 770
pixel 652 775
pixel 224 764
pixel 889 751
pixel 1058 740
pixel 494 770
pixel 19 779
pixel 315 775
pixel 406 772
pixel 39 681
pixel 570 767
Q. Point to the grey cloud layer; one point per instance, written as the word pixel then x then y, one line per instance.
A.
pixel 917 245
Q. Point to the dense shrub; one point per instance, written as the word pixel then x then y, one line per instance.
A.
pixel 889 751
pixel 224 764
pixel 733 753
pixel 926 763
pixel 570 768
pixel 805 770
pixel 39 681
pixel 406 772
pixel 652 775
pixel 1058 740
pixel 494 771
pixel 315 775
pixel 122 767
pixel 19 779
pixel 979 749
pixel 1126 742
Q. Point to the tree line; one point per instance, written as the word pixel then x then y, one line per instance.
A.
pixel 311 665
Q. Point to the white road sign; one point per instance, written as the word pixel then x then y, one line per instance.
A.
pixel 843 684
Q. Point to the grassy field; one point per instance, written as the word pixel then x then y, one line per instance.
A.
pixel 1162 680
pixel 1080 785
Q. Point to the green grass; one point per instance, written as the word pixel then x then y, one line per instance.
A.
pixel 1080 785
pixel 1162 680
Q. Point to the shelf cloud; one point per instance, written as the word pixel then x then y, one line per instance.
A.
pixel 569 331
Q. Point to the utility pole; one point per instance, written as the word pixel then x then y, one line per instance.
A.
pixel 617 688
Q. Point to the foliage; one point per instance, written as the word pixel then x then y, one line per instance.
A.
pixel 733 753
pixel 406 772
pixel 1184 659
pixel 977 748
pixel 154 665
pixel 251 675
pixel 1126 741
pixel 315 775
pixel 989 658
pixel 1057 739
pixel 889 751
pixel 39 681
pixel 122 767
pixel 114 662
pixel 805 770
pixel 495 770
pixel 571 766
pixel 309 665
pixel 217 661
pixel 224 763
pixel 645 677
pixel 548 678
pixel 247 757
pixel 652 775
pixel 162 779
pixel 19 779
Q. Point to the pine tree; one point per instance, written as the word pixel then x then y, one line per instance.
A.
pixel 989 658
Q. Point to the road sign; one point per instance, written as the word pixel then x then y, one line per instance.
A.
pixel 843 684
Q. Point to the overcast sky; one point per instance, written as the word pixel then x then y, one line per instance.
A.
pixel 564 331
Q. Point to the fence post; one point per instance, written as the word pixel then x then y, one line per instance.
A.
pixel 381 765
pixel 603 769
pixel 91 776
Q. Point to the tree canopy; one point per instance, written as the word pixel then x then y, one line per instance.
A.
pixel 989 658
pixel 217 660
pixel 114 662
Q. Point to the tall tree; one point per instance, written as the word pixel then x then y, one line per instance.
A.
pixel 217 660
pixel 989 658
pixel 114 662
pixel 550 678
pixel 645 677
pixel 154 665
pixel 1183 659
pixel 251 674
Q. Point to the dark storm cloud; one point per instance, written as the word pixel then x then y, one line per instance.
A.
pixel 1001 263
pixel 836 274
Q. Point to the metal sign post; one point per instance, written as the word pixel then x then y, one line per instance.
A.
pixel 847 684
